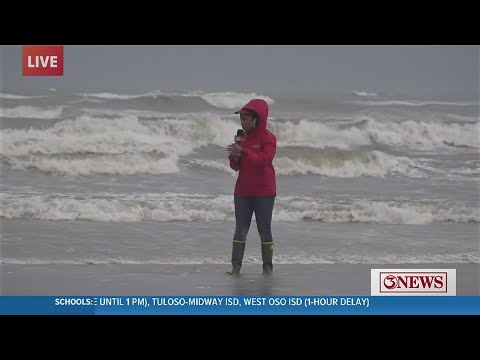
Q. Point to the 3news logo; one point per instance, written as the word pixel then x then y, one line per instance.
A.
pixel 413 282
pixel 42 60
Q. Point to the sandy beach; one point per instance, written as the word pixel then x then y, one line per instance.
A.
pixel 208 279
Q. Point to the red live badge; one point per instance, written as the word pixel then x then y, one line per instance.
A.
pixel 42 60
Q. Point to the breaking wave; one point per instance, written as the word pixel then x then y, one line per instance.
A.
pixel 203 208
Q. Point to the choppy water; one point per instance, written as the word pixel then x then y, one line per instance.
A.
pixel 158 161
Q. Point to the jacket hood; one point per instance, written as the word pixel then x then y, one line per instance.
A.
pixel 260 106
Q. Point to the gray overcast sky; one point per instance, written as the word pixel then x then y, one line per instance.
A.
pixel 264 69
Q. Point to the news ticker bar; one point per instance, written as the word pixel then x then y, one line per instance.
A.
pixel 239 305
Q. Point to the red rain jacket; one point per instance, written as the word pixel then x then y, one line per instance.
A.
pixel 256 174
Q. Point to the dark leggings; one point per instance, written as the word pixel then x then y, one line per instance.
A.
pixel 245 206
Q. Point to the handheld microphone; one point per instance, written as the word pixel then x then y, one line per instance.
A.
pixel 238 140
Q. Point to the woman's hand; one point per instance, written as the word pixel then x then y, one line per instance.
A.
pixel 234 149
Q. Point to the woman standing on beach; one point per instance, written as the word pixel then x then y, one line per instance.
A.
pixel 255 188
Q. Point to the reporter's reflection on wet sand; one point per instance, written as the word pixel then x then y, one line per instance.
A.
pixel 253 285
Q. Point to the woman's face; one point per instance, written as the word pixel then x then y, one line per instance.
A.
pixel 247 122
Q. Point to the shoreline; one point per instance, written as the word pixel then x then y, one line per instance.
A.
pixel 210 279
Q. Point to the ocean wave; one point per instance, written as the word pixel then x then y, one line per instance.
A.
pixel 212 129
pixel 344 164
pixel 415 103
pixel 89 164
pixel 411 134
pixel 222 100
pixel 349 164
pixel 114 146
pixel 177 207
pixel 364 93
pixel 32 112
pixel 14 97
pixel 127 134
pixel 127 145
pixel 280 259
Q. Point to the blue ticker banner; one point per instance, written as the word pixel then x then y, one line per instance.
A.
pixel 239 305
